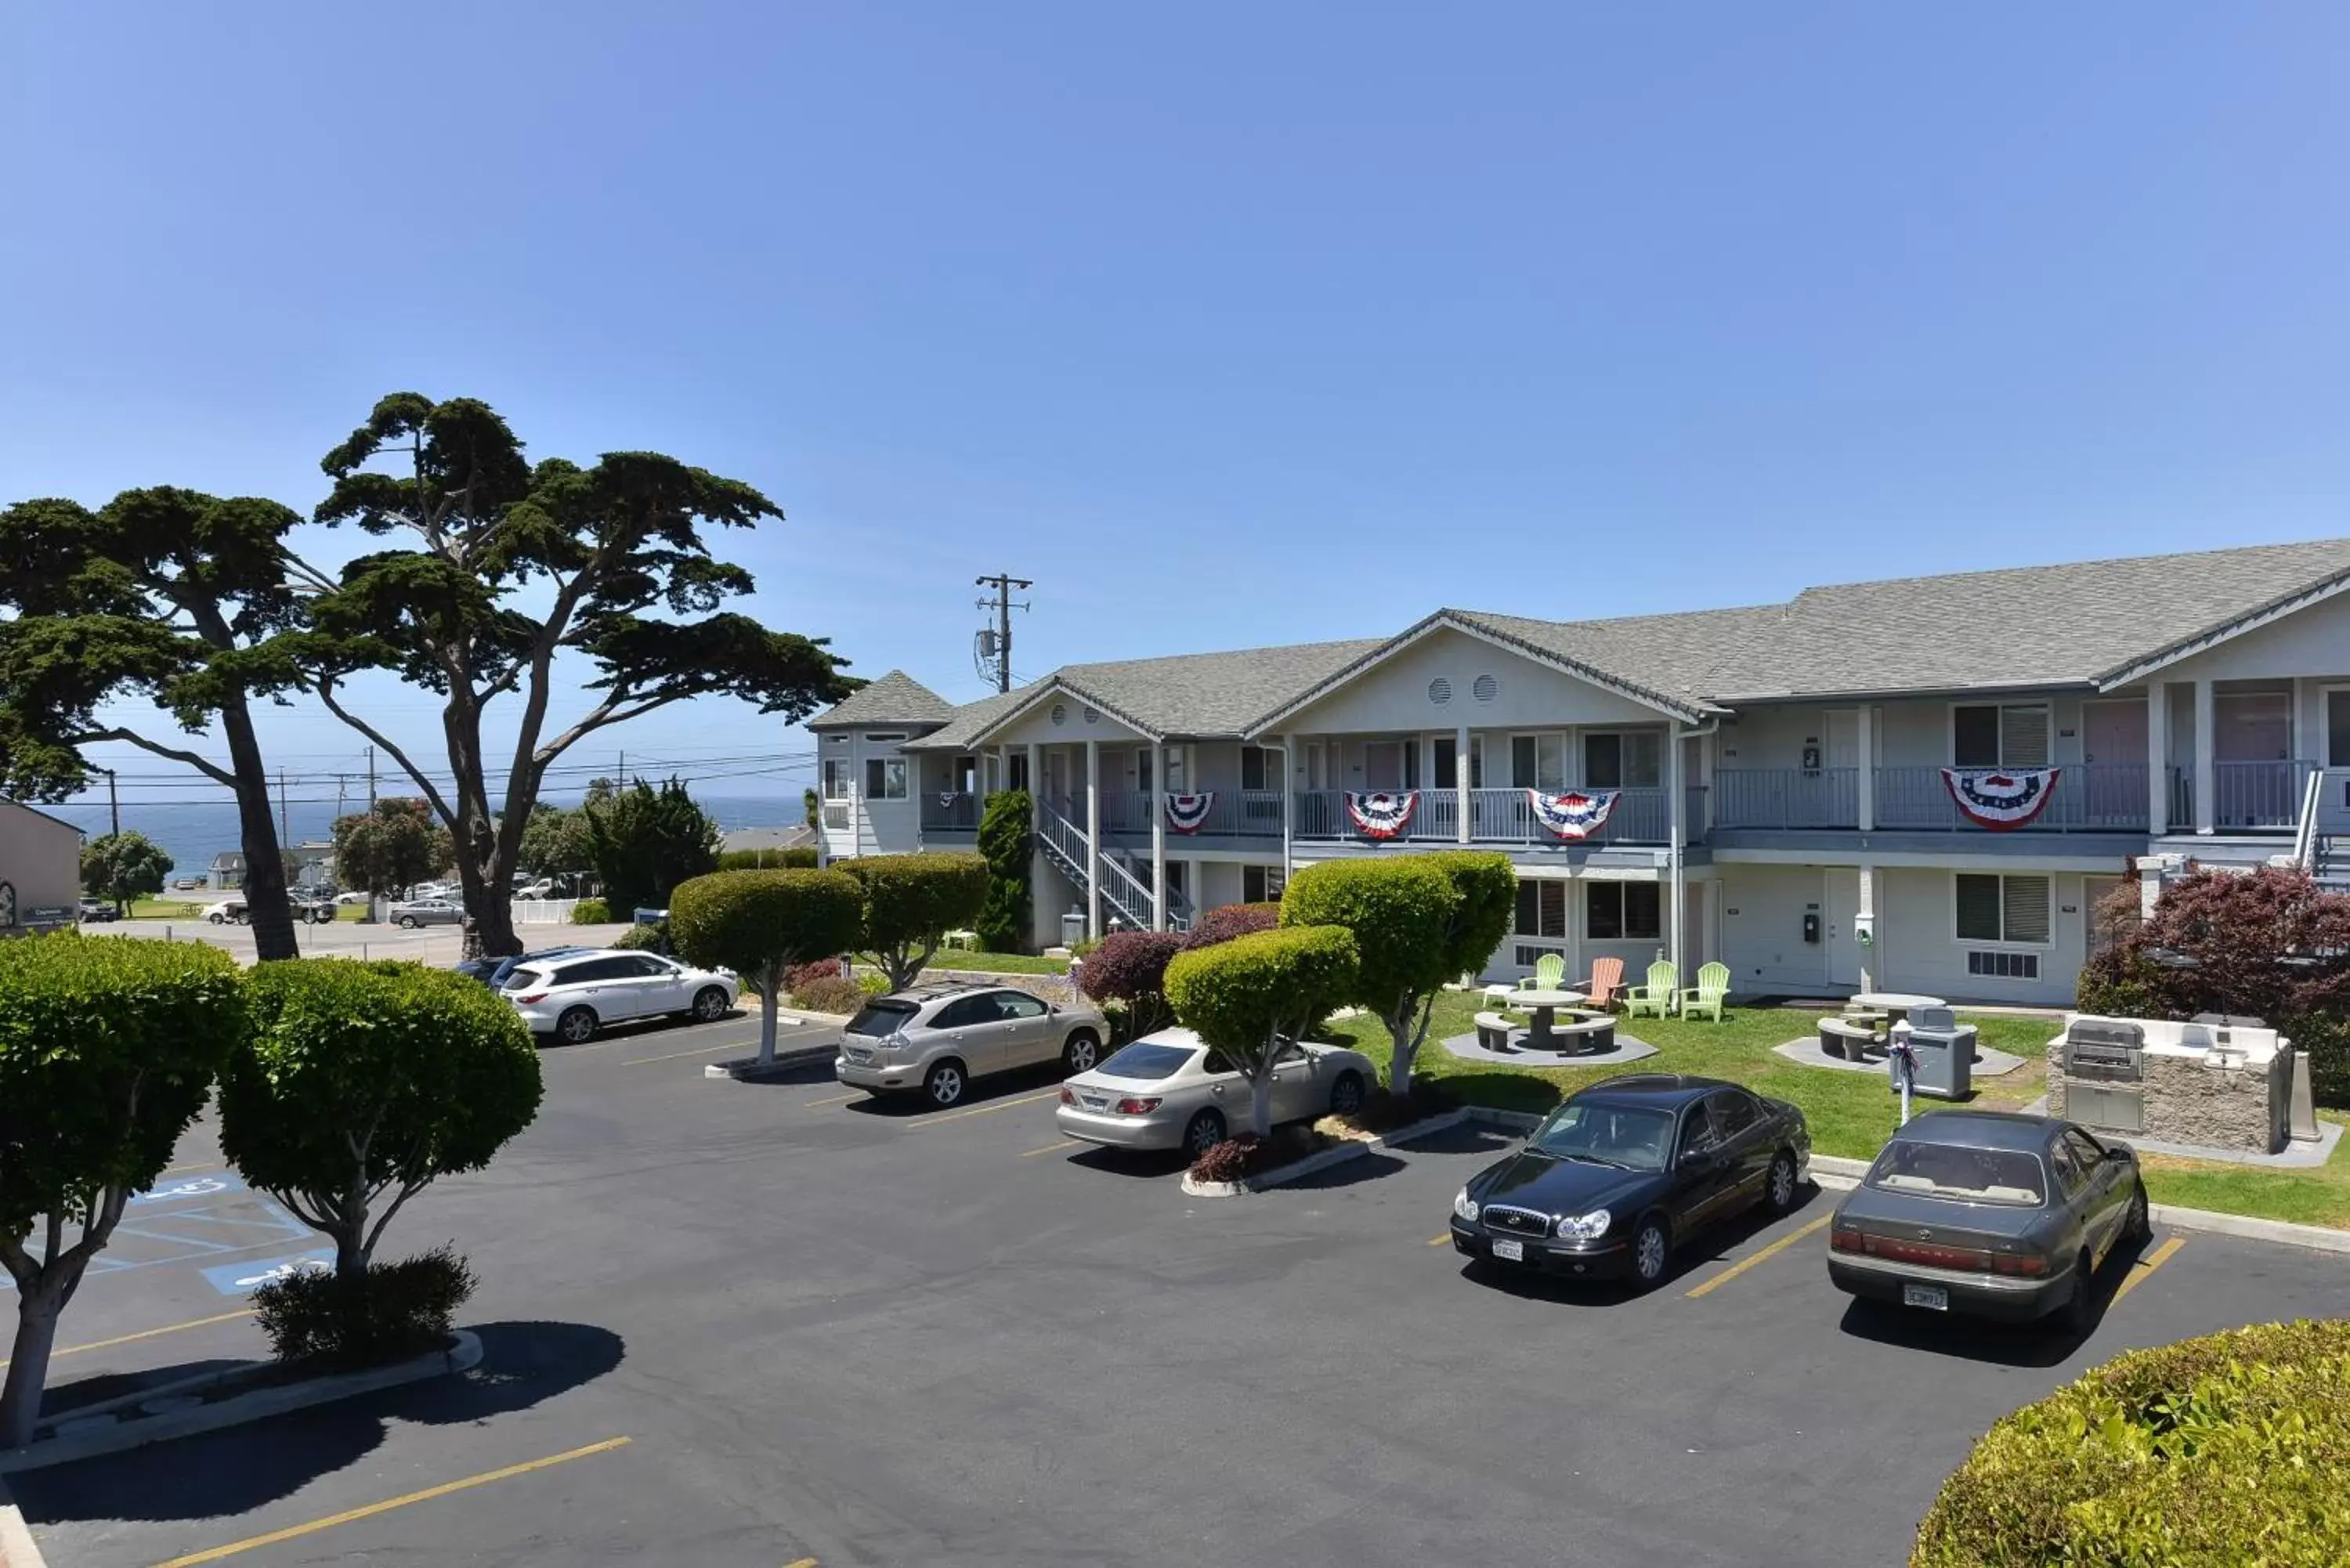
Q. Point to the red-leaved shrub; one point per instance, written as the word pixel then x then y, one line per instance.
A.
pixel 1131 967
pixel 1249 1155
pixel 1226 921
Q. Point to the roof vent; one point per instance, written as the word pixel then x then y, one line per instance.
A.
pixel 1440 692
pixel 1092 717
pixel 1060 715
pixel 1485 688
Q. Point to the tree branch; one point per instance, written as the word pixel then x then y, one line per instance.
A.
pixel 130 737
pixel 608 713
pixel 325 687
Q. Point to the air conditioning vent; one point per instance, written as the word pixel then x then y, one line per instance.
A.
pixel 2004 966
pixel 1485 688
pixel 1440 692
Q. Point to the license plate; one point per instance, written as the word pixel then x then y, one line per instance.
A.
pixel 1933 1297
pixel 1092 1102
pixel 1510 1251
pixel 854 1054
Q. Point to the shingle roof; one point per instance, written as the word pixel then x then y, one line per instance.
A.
pixel 2059 625
pixel 1685 657
pixel 971 719
pixel 896 698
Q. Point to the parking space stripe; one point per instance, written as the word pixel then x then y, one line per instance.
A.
pixel 149 1332
pixel 697 1050
pixel 1054 1147
pixel 1439 1241
pixel 1774 1250
pixel 292 1532
pixel 2146 1266
pixel 983 1110
pixel 835 1100
pixel 801 1563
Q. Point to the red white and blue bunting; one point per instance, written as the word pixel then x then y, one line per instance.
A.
pixel 1382 814
pixel 2002 799
pixel 1578 814
pixel 1189 812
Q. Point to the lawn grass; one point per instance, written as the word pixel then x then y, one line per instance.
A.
pixel 999 964
pixel 1850 1113
pixel 193 908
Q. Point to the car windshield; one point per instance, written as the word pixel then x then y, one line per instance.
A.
pixel 1956 1172
pixel 1145 1060
pixel 1632 1137
pixel 882 1018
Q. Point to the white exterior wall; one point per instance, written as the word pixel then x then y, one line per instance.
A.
pixel 1394 697
pixel 2311 643
pixel 1911 732
pixel 875 826
pixel 1761 927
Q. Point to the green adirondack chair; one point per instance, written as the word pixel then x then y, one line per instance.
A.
pixel 1550 972
pixel 1706 995
pixel 1655 999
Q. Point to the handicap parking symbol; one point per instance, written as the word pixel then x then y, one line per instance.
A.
pixel 236 1279
pixel 193 1186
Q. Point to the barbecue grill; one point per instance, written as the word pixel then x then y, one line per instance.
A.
pixel 2101 1065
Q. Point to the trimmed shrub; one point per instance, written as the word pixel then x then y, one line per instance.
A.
pixel 1006 914
pixel 761 923
pixel 1398 909
pixel 1249 995
pixel 2229 1448
pixel 912 902
pixel 799 975
pixel 363 1081
pixel 1251 1154
pixel 390 1312
pixel 829 993
pixel 590 912
pixel 652 938
pixel 799 858
pixel 1131 967
pixel 873 985
pixel 1225 921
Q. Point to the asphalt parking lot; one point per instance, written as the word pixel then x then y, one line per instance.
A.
pixel 774 1324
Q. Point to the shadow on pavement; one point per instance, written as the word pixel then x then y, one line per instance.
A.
pixel 217 1474
pixel 1694 1256
pixel 1345 1173
pixel 2045 1343
pixel 983 1091
pixel 1149 1163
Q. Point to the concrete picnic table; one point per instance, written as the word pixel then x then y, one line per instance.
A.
pixel 1897 1005
pixel 1543 1004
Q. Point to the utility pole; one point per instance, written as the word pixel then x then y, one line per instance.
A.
pixel 284 827
pixel 113 802
pixel 1003 605
pixel 371 752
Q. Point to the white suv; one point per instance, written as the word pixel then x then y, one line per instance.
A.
pixel 936 1040
pixel 574 996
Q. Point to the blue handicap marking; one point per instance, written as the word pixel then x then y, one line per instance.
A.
pixel 236 1279
pixel 210 1185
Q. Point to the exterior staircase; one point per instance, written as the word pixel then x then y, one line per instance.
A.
pixel 1126 897
pixel 2322 843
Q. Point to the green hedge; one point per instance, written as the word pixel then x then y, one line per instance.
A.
pixel 2234 1449
pixel 1004 841
pixel 590 912
pixel 799 858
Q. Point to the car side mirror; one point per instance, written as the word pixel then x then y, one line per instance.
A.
pixel 1691 1157
pixel 2118 1151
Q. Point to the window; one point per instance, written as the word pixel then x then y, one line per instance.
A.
pixel 1733 1111
pixel 966 1011
pixel 1447 764
pixel 836 778
pixel 885 778
pixel 1018 1004
pixel 885 737
pixel 2070 1176
pixel 2085 1149
pixel 1142 769
pixel 1015 771
pixel 1623 912
pixel 1260 884
pixel 1542 910
pixel 1257 769
pixel 2002 909
pixel 2000 735
pixel 1633 759
pixel 2004 966
pixel 1697 1131
pixel 1537 761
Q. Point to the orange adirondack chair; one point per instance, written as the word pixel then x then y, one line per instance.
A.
pixel 1607 979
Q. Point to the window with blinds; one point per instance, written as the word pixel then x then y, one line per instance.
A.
pixel 2002 909
pixel 2000 735
pixel 1542 910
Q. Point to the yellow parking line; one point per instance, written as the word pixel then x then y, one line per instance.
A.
pixel 835 1100
pixel 216 1553
pixel 1439 1241
pixel 1781 1245
pixel 2146 1266
pixel 801 1563
pixel 698 1050
pixel 149 1332
pixel 1052 1148
pixel 983 1110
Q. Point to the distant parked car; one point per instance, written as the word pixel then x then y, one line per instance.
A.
pixel 1626 1170
pixel 1169 1090
pixel 228 912
pixel 418 912
pixel 353 897
pixel 1989 1213
pixel 493 971
pixel 936 1040
pixel 94 909
pixel 541 890
pixel 575 995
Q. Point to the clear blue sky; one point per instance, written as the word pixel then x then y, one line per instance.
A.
pixel 1228 324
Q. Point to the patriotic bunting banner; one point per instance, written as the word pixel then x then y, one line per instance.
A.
pixel 1381 815
pixel 1189 812
pixel 1578 814
pixel 2001 799
pixel 947 797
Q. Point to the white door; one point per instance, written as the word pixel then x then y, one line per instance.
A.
pixel 1840 910
pixel 2112 735
pixel 1383 765
pixel 1843 738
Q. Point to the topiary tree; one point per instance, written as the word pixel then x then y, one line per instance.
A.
pixel 109 1048
pixel 1225 921
pixel 123 865
pixel 1005 916
pixel 912 902
pixel 367 1079
pixel 1399 910
pixel 1131 967
pixel 1248 996
pixel 761 923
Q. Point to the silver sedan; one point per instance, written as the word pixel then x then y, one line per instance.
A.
pixel 1169 1090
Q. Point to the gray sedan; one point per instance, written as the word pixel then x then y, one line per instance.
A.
pixel 1989 1213
pixel 1168 1090
pixel 418 912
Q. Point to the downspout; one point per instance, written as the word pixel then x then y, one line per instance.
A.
pixel 1282 746
pixel 1675 861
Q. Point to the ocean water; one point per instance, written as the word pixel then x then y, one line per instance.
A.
pixel 193 834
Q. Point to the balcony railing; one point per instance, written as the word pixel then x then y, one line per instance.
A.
pixel 2257 795
pixel 835 815
pixel 1786 797
pixel 950 811
pixel 1235 813
pixel 1495 816
pixel 2092 797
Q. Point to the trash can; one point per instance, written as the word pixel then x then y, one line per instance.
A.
pixel 1945 1053
pixel 1073 927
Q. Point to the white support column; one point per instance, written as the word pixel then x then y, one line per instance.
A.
pixel 1864 920
pixel 1037 775
pixel 1677 801
pixel 1093 838
pixel 2157 758
pixel 1864 741
pixel 2206 775
pixel 1461 782
pixel 1156 803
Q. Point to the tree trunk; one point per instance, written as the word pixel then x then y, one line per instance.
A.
pixel 1405 1042
pixel 1261 1101
pixel 28 1362
pixel 265 903
pixel 350 1250
pixel 768 1003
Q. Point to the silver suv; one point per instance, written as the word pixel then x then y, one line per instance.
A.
pixel 935 1041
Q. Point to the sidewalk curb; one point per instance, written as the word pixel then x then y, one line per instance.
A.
pixel 748 1071
pixel 259 1404
pixel 1845 1174
pixel 17 1547
pixel 1322 1159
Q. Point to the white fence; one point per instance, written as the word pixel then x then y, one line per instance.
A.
pixel 542 911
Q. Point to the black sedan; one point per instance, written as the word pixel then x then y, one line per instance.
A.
pixel 1988 1212
pixel 1619 1174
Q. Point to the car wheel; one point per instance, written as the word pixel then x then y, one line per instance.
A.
pixel 1081 1052
pixel 1779 1190
pixel 409 922
pixel 1347 1095
pixel 217 919
pixel 242 920
pixel 2080 1306
pixel 1202 1133
pixel 577 1026
pixel 2138 1229
pixel 944 1085
pixel 710 1004
pixel 1652 1250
